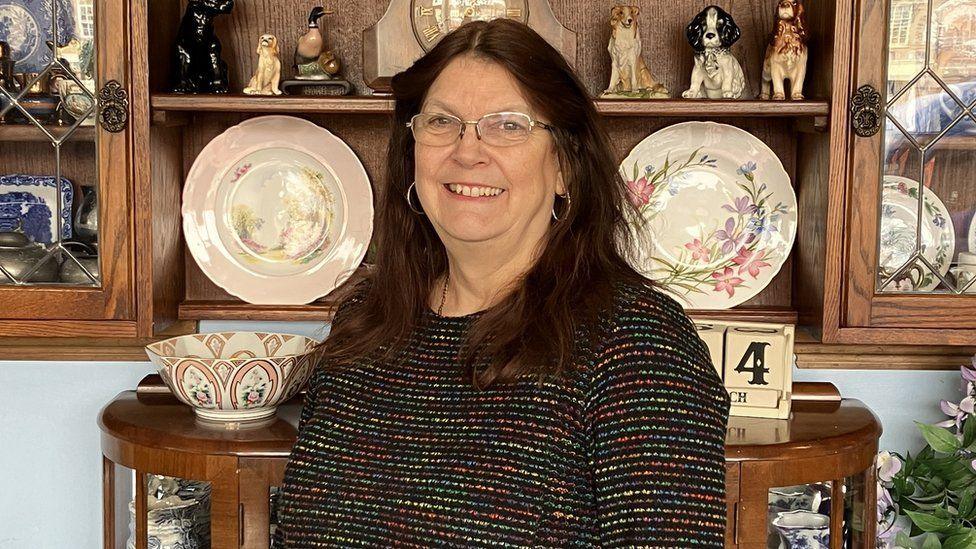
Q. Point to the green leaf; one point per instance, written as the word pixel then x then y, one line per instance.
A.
pixel 961 541
pixel 932 542
pixel 966 501
pixel 939 438
pixel 968 431
pixel 962 480
pixel 902 540
pixel 927 522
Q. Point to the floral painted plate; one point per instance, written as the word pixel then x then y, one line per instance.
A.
pixel 277 210
pixel 719 208
pixel 972 234
pixel 899 212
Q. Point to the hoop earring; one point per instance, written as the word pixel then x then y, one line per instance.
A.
pixel 569 204
pixel 409 204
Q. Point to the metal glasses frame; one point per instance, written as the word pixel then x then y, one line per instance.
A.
pixel 477 129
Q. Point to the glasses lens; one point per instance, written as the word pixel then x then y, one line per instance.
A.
pixel 505 128
pixel 435 129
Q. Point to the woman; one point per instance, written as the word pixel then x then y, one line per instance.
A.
pixel 502 376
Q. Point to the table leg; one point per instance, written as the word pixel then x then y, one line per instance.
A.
pixel 108 503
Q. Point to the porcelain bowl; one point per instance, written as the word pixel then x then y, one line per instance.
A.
pixel 234 376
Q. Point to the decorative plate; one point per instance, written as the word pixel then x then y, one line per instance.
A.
pixel 27 203
pixel 899 212
pixel 719 209
pixel 972 234
pixel 26 24
pixel 277 210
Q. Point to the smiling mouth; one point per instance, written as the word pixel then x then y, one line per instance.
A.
pixel 473 191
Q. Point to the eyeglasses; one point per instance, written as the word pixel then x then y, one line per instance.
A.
pixel 500 129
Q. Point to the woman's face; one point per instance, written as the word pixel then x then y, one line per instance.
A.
pixel 527 173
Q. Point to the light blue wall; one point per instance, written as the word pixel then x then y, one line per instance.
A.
pixel 50 462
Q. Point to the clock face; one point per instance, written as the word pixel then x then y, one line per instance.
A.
pixel 432 19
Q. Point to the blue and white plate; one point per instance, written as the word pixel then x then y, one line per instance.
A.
pixel 27 24
pixel 27 203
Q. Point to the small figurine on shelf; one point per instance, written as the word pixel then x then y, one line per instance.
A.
pixel 199 68
pixel 786 54
pixel 629 76
pixel 312 60
pixel 717 73
pixel 268 74
pixel 314 64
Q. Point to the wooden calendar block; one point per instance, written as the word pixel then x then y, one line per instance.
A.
pixel 755 361
pixel 713 334
pixel 759 369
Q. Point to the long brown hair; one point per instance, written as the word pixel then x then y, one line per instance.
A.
pixel 534 329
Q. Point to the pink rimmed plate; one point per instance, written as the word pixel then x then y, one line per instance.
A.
pixel 277 211
pixel 719 208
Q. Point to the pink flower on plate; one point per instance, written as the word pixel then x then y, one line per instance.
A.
pixel 698 251
pixel 639 192
pixel 727 281
pixel 751 261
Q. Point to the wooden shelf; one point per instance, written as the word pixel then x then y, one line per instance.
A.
pixel 237 310
pixel 778 315
pixel 323 311
pixel 281 103
pixel 384 105
pixel 28 132
pixel 711 107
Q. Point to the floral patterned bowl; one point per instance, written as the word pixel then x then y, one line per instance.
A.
pixel 234 376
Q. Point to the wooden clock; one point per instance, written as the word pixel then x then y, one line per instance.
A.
pixel 410 28
pixel 432 19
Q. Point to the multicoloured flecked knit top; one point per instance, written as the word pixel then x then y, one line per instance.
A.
pixel 628 450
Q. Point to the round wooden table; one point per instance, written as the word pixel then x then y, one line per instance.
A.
pixel 152 433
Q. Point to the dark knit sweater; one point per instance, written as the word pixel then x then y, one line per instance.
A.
pixel 628 451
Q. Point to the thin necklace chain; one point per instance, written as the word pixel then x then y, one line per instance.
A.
pixel 444 294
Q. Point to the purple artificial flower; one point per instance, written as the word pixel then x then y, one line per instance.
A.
pixel 888 526
pixel 888 466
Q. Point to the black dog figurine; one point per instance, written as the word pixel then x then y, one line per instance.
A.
pixel 717 73
pixel 198 64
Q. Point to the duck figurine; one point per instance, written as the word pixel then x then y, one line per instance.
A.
pixel 312 61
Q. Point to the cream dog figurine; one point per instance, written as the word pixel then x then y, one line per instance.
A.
pixel 268 74
pixel 786 54
pixel 717 73
pixel 629 75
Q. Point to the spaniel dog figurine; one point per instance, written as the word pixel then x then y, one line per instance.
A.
pixel 629 74
pixel 717 73
pixel 268 74
pixel 786 54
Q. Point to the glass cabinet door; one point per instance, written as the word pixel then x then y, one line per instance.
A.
pixel 177 514
pixel 800 516
pixel 65 194
pixel 913 171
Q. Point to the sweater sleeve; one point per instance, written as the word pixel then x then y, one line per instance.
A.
pixel 656 415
